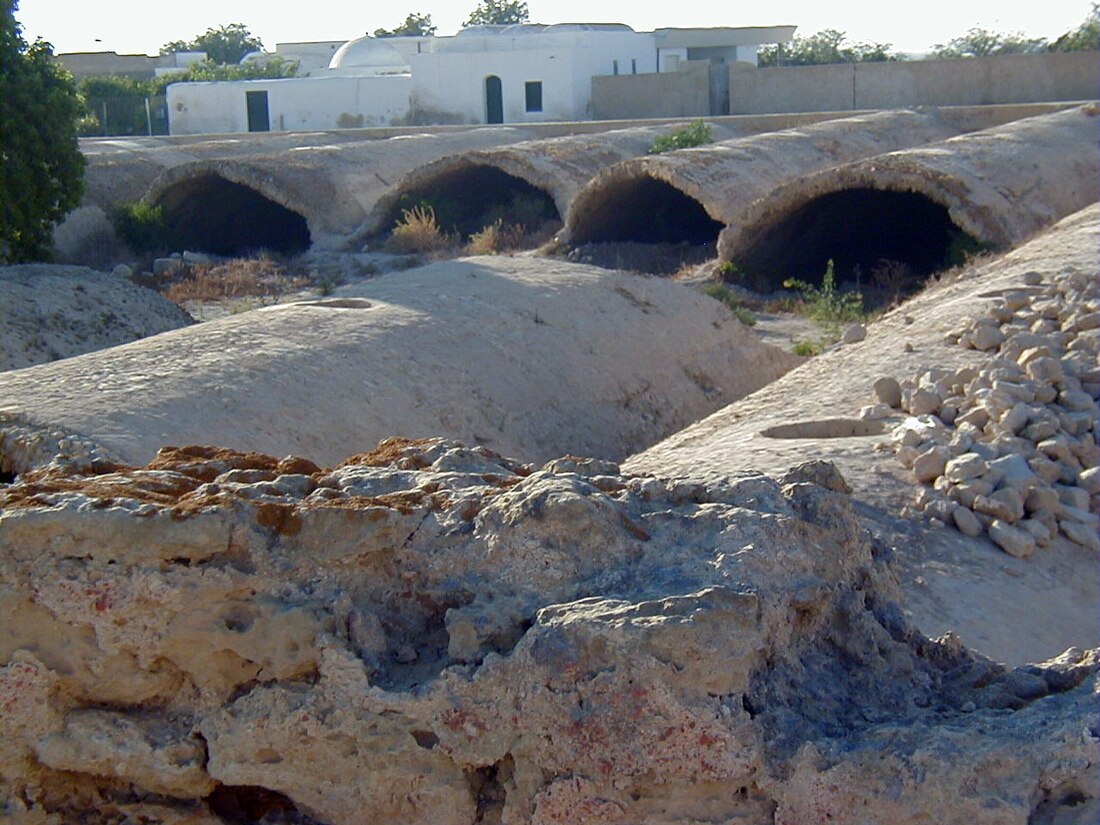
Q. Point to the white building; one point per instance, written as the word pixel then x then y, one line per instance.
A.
pixel 526 73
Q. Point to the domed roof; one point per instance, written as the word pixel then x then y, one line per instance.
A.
pixel 367 53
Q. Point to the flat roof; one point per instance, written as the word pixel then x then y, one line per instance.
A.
pixel 719 36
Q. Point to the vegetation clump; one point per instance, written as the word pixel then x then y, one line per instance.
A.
pixel 694 134
pixel 143 228
pixel 417 231
pixel 721 292
pixel 827 304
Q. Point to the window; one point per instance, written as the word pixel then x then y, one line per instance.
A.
pixel 533 90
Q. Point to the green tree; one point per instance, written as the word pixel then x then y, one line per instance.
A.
pixel 415 25
pixel 225 44
pixel 1085 37
pixel 121 100
pixel 827 46
pixel 498 13
pixel 204 70
pixel 42 177
pixel 978 42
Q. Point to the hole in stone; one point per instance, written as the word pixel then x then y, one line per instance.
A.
pixel 251 804
pixel 337 303
pixel 238 619
pixel 905 236
pixel 488 786
pixel 7 477
pixel 425 739
pixel 826 428
pixel 467 199
pixel 211 214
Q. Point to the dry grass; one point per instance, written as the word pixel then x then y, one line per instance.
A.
pixel 237 278
pixel 496 238
pixel 416 232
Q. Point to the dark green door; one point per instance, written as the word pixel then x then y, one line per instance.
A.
pixel 494 100
pixel 259 120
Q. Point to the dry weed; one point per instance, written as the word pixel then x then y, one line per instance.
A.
pixel 417 231
pixel 235 278
pixel 494 239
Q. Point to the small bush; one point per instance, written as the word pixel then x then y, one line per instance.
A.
pixel 806 348
pixel 721 292
pixel 417 231
pixel 696 134
pixel 143 228
pixel 495 239
pixel 826 303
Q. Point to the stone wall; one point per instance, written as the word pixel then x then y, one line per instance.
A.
pixel 965 82
pixel 685 93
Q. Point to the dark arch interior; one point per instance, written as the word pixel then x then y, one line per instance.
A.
pixel 646 210
pixel 869 234
pixel 467 200
pixel 211 214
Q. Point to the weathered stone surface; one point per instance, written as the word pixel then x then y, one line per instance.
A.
pixel 433 633
pixel 51 312
pixel 1015 542
pixel 536 358
pixel 888 391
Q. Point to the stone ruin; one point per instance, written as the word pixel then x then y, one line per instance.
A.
pixel 434 633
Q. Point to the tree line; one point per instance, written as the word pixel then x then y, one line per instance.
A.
pixel 832 46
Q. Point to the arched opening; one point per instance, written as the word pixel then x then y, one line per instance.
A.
pixel 643 224
pixel 466 199
pixel 645 210
pixel 877 240
pixel 494 100
pixel 208 213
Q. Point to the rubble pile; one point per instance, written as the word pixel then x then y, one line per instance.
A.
pixel 1009 447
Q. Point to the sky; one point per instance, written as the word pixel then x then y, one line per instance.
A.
pixel 143 26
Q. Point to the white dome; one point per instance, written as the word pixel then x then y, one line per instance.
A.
pixel 367 53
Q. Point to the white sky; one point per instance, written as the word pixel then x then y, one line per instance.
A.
pixel 143 26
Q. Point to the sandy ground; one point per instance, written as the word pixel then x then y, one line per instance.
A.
pixel 1010 609
pixel 52 312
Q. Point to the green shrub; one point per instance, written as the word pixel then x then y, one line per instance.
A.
pixel 721 292
pixel 806 349
pixel 143 228
pixel 695 134
pixel 826 303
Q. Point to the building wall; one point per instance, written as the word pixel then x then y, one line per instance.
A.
pixel 294 104
pixel 449 82
pixel 684 93
pixel 966 82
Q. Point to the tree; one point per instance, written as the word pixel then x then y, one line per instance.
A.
pixel 1085 37
pixel 498 13
pixel 415 25
pixel 827 46
pixel 978 42
pixel 225 44
pixel 269 67
pixel 43 171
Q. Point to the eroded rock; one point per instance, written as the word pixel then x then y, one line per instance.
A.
pixel 434 633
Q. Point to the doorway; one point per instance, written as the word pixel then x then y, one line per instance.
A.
pixel 259 120
pixel 494 100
